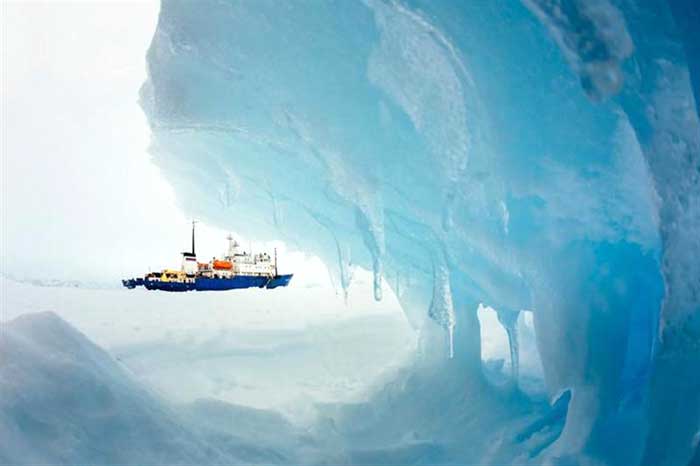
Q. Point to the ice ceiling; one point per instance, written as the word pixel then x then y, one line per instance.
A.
pixel 540 155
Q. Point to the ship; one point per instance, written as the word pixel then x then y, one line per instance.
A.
pixel 237 269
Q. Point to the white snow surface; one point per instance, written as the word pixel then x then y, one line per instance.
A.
pixel 262 348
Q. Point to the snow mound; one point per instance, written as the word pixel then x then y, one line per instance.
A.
pixel 63 400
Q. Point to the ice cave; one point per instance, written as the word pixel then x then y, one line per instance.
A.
pixel 535 163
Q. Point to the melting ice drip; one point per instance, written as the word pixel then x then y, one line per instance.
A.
pixel 509 320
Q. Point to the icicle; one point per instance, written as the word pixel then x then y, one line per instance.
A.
pixel 514 353
pixel 509 320
pixel 441 307
pixel 377 269
pixel 344 265
pixel 371 225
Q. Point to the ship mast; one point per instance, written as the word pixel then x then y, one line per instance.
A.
pixel 193 222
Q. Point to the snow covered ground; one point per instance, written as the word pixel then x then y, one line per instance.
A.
pixel 283 349
pixel 64 400
pixel 266 349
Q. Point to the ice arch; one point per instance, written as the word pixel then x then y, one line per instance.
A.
pixel 540 156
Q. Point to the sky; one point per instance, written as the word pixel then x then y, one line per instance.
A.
pixel 81 198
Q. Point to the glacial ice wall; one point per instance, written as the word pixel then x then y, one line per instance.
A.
pixel 542 155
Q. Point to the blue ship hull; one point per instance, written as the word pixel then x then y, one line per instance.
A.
pixel 212 284
pixel 168 286
pixel 279 280
pixel 237 282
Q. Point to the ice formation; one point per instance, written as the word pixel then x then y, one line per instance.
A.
pixel 542 155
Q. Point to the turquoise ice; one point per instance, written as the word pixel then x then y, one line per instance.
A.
pixel 542 155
